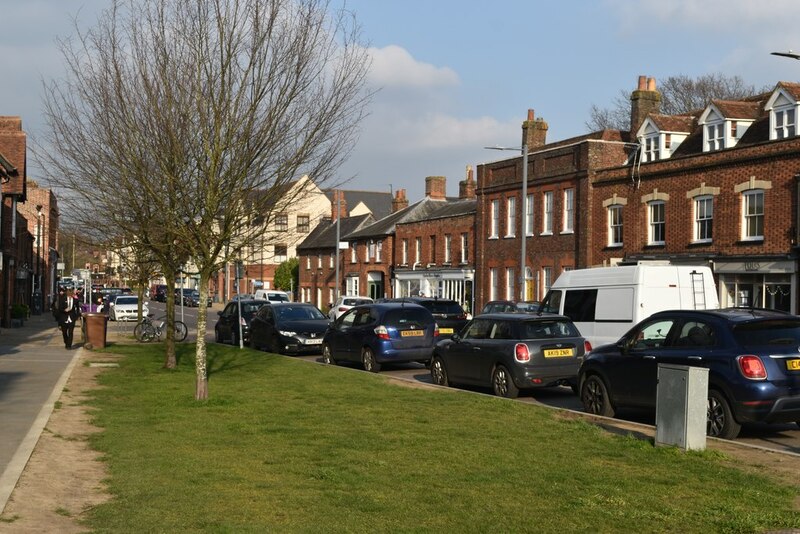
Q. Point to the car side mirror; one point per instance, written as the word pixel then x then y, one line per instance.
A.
pixel 456 337
pixel 219 313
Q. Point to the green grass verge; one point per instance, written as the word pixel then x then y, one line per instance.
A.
pixel 288 446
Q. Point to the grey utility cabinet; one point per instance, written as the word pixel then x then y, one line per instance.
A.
pixel 681 406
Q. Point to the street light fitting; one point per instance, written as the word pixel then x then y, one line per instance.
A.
pixel 789 54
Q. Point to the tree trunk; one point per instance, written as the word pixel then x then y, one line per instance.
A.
pixel 171 362
pixel 201 362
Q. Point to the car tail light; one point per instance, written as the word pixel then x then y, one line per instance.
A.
pixel 435 329
pixel 521 353
pixel 381 332
pixel 343 309
pixel 752 367
pixel 587 347
pixel 242 321
pixel 462 317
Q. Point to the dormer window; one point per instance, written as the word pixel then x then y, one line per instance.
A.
pixel 651 148
pixel 715 137
pixel 784 123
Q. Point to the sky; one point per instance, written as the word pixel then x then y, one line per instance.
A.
pixel 456 76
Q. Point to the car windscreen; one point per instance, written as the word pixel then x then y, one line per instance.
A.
pixel 762 333
pixel 548 329
pixel 407 317
pixel 275 297
pixel 298 313
pixel 126 300
pixel 355 302
pixel 249 308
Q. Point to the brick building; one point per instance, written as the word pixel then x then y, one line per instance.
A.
pixel 40 212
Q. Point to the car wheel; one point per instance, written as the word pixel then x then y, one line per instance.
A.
pixel 327 355
pixel 368 359
pixel 721 423
pixel 502 383
pixel 274 346
pixel 217 336
pixel 438 372
pixel 253 344
pixel 594 396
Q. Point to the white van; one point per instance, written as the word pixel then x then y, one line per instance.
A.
pixel 271 295
pixel 606 302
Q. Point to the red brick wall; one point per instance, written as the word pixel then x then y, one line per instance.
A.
pixel 454 226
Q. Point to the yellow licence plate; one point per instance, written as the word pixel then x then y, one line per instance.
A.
pixel 557 353
pixel 412 333
pixel 445 330
pixel 793 365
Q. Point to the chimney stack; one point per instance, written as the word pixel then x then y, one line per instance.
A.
pixel 534 131
pixel 435 187
pixel 466 188
pixel 644 100
pixel 338 205
pixel 399 202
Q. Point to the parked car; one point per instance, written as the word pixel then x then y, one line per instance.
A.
pixel 346 302
pixel 273 295
pixel 379 333
pixel 751 355
pixel 510 352
pixel 288 328
pixel 191 298
pixel 227 328
pixel 509 306
pixel 450 316
pixel 126 308
pixel 158 293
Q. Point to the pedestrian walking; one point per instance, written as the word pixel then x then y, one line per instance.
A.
pixel 69 311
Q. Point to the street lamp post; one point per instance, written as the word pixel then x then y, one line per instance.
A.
pixel 524 214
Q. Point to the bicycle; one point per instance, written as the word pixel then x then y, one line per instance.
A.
pixel 146 330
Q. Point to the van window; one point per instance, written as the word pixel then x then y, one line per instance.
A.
pixel 579 305
pixel 552 302
pixel 615 304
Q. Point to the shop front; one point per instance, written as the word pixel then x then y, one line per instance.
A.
pixel 757 283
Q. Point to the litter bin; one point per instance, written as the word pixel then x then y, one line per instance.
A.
pixel 94 335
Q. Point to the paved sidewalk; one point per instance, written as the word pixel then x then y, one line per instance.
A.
pixel 34 366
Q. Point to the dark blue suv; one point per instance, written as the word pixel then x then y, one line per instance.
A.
pixel 752 355
pixel 373 334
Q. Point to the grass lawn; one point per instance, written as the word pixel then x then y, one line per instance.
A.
pixel 289 446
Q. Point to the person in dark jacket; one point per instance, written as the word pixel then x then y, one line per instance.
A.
pixel 69 310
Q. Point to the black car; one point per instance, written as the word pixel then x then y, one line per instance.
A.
pixel 752 357
pixel 510 352
pixel 378 333
pixel 449 315
pixel 158 293
pixel 288 328
pixel 191 298
pixel 509 306
pixel 227 328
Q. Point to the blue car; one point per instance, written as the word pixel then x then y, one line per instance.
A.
pixel 378 333
pixel 752 356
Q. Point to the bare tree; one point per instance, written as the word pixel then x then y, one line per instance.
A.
pixel 679 94
pixel 183 120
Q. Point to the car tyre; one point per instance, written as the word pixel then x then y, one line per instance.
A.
pixel 595 398
pixel 371 365
pixel 502 383
pixel 327 355
pixel 721 423
pixel 439 372
pixel 217 336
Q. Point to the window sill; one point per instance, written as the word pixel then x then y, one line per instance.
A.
pixel 614 246
pixel 493 237
pixel 546 233
pixel 655 245
pixel 509 237
pixel 567 232
pixel 752 241
pixel 703 243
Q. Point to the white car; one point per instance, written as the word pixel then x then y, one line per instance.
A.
pixel 344 303
pixel 126 308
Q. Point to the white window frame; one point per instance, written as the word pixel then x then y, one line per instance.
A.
pixel 509 283
pixel 332 262
pixel 417 250
pixel 529 214
pixel 351 283
pixel 493 280
pixel 651 148
pixel 308 262
pixel 656 222
pixel 703 219
pixel 494 219
pixel 353 252
pixel 568 223
pixel 448 241
pixel 751 216
pixel 615 225
pixel 464 247
pixel 404 252
pixel 547 210
pixel 547 278
pixel 785 122
pixel 715 136
pixel 378 251
pixel 511 216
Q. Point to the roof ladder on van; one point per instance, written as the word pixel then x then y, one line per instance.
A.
pixel 698 290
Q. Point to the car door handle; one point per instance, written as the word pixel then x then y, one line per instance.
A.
pixel 649 357
pixel 698 358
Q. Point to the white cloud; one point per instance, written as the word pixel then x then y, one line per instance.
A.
pixel 393 66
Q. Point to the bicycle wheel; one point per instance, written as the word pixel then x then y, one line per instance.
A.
pixel 138 331
pixel 180 331
pixel 148 333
